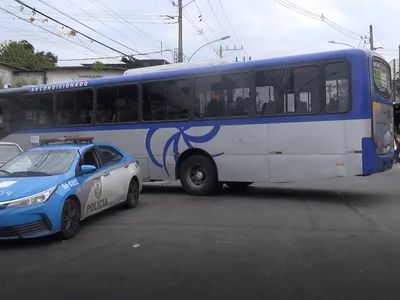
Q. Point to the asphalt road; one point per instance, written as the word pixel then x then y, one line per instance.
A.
pixel 331 239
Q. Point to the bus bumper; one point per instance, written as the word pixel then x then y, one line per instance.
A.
pixel 371 161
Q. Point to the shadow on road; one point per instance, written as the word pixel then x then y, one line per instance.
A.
pixel 284 193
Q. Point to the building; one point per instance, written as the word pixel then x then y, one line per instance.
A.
pixel 13 76
pixel 394 66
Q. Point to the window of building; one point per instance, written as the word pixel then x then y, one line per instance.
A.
pixel 223 96
pixel 288 91
pixel 118 104
pixel 36 110
pixel 166 100
pixel 337 87
pixel 75 107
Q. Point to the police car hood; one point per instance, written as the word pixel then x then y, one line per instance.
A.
pixel 17 187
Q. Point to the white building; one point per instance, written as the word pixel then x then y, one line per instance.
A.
pixel 11 76
pixel 394 66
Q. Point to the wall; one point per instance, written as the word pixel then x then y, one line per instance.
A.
pixel 6 76
pixel 67 75
pixel 29 78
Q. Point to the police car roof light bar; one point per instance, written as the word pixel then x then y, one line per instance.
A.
pixel 75 140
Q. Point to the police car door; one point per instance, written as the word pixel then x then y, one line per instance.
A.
pixel 94 188
pixel 119 173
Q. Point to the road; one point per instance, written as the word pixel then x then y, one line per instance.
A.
pixel 331 239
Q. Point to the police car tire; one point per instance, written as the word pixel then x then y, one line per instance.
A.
pixel 64 234
pixel 129 202
pixel 211 182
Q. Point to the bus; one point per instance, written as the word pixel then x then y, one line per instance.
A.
pixel 278 120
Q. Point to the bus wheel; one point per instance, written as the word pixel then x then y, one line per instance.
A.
pixel 238 185
pixel 198 175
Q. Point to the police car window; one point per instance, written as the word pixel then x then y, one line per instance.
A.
pixel 110 155
pixel 90 158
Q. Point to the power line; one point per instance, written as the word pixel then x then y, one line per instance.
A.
pixel 92 15
pixel 205 21
pixel 216 17
pixel 48 30
pixel 144 34
pixel 321 17
pixel 109 57
pixel 198 29
pixel 76 31
pixel 230 24
pixel 35 34
pixel 111 39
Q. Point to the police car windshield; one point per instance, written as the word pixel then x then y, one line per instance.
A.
pixel 39 163
pixel 8 151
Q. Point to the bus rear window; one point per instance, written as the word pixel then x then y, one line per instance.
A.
pixel 382 76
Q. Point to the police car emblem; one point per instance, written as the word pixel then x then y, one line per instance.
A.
pixel 97 188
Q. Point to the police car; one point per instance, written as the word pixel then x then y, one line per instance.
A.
pixel 51 188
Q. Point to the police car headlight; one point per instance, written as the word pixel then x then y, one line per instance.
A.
pixel 33 199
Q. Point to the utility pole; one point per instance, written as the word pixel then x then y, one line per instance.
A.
pixel 371 38
pixel 221 50
pixel 180 32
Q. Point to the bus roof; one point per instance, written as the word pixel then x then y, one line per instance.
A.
pixel 182 70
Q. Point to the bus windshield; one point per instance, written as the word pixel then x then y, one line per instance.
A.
pixel 382 76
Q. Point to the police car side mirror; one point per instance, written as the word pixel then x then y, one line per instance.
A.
pixel 86 169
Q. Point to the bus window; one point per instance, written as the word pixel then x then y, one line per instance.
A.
pixel 7 117
pixel 236 89
pixel 382 77
pixel 36 110
pixel 117 104
pixel 288 91
pixel 226 96
pixel 337 87
pixel 306 85
pixel 75 107
pixel 166 100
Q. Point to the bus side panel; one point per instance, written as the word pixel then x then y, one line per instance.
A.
pixel 306 150
pixel 355 130
pixel 243 149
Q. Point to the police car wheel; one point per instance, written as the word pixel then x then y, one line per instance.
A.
pixel 132 199
pixel 70 219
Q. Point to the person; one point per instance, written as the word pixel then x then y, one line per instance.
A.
pixel 396 147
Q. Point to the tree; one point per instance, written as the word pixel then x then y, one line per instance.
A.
pixel 98 67
pixel 23 54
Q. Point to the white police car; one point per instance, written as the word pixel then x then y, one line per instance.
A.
pixel 51 188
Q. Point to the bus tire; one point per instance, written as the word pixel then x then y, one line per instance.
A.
pixel 198 175
pixel 238 185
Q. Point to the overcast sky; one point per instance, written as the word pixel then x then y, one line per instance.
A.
pixel 265 28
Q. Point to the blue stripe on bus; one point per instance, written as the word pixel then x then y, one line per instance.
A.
pixel 352 115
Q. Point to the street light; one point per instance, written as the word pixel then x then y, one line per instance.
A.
pixel 333 42
pixel 217 40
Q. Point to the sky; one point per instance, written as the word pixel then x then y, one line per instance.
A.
pixel 265 28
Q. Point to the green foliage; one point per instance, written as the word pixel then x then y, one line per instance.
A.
pixel 21 81
pixel 22 54
pixel 98 66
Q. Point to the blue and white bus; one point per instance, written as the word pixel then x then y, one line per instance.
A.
pixel 287 119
